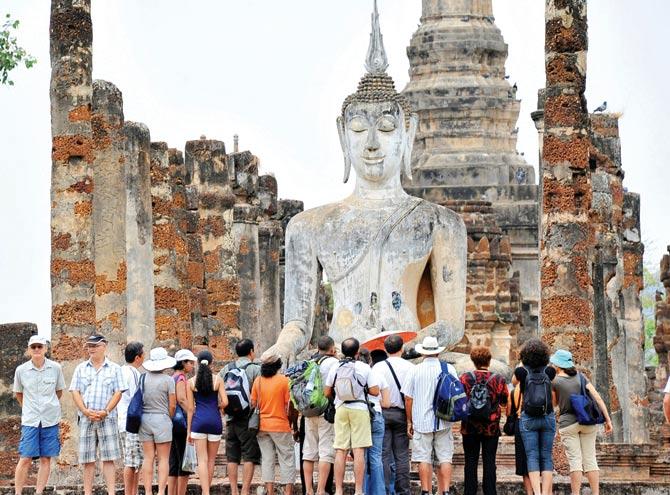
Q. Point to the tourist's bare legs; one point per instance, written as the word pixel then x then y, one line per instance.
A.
pixel 547 482
pixel 148 466
pixel 324 472
pixel 288 489
pixel 527 485
pixel 269 489
pixel 232 478
pixel 109 473
pixel 359 469
pixel 163 458
pixel 21 473
pixel 594 481
pixel 444 476
pixel 575 481
pixel 203 464
pixel 340 462
pixel 130 480
pixel 426 476
pixel 43 474
pixel 89 473
pixel 534 477
pixel 308 469
pixel 212 450
pixel 247 477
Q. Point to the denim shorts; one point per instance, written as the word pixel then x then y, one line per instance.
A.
pixel 37 441
pixel 537 433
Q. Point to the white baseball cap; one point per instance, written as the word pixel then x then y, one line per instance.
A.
pixel 37 339
pixel 185 355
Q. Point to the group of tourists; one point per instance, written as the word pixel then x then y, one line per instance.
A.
pixel 168 414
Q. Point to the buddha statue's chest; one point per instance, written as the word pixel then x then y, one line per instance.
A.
pixel 373 244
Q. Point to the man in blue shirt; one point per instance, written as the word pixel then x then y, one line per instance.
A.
pixel 38 386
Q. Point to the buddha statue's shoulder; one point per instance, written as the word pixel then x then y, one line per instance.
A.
pixel 314 218
pixel 441 216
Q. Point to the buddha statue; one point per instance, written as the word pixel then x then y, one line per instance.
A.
pixel 395 262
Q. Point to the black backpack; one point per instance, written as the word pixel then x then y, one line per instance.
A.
pixel 537 393
pixel 480 402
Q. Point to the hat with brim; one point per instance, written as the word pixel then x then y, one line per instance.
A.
pixel 562 359
pixel 185 355
pixel 159 360
pixel 429 347
pixel 37 339
pixel 96 339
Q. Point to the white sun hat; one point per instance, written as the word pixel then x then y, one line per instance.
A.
pixel 159 360
pixel 185 355
pixel 429 347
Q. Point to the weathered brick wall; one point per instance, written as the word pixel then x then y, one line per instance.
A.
pixel 661 431
pixel 493 304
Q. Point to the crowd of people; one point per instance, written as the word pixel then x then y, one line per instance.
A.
pixel 166 416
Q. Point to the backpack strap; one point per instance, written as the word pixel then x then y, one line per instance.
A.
pixel 141 382
pixel 397 382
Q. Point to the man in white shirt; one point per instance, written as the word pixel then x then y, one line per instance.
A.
pixel 396 442
pixel 319 433
pixel 427 432
pixel 130 442
pixel 38 386
pixel 349 383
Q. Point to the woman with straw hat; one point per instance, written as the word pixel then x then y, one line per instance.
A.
pixel 156 427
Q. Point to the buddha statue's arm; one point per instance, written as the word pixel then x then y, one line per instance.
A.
pixel 300 289
pixel 448 273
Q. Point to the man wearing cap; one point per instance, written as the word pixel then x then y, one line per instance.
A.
pixel 427 433
pixel 97 385
pixel 38 385
pixel 130 442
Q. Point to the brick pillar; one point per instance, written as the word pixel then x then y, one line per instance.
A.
pixel 109 211
pixel 270 235
pixel 72 267
pixel 661 429
pixel 171 301
pixel 567 312
pixel 245 235
pixel 139 250
pixel 207 169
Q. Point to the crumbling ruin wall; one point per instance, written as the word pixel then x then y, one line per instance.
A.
pixel 493 297
pixel 661 429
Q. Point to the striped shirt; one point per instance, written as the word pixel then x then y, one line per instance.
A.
pixel 98 386
pixel 420 386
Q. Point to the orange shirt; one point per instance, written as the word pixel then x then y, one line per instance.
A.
pixel 273 403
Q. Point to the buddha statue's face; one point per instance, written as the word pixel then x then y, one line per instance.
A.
pixel 374 140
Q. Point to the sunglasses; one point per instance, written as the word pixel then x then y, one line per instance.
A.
pixel 36 346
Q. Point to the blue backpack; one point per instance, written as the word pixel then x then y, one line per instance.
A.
pixel 134 416
pixel 451 401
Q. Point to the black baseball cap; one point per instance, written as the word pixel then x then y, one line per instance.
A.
pixel 96 339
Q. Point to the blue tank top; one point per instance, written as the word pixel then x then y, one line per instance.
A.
pixel 207 417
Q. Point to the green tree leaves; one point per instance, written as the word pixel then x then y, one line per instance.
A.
pixel 11 54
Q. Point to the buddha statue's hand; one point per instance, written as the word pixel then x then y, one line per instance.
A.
pixel 290 342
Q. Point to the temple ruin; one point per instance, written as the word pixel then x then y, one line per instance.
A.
pixel 184 248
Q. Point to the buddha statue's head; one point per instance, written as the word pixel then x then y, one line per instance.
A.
pixel 377 126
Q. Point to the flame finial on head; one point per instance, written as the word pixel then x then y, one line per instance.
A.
pixel 376 61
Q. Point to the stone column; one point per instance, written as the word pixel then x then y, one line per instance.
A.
pixel 73 153
pixel 245 234
pixel 207 169
pixel 567 312
pixel 661 429
pixel 171 301
pixel 109 212
pixel 633 397
pixel 270 235
pixel 140 292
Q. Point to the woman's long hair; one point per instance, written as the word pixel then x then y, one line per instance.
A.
pixel 269 370
pixel 570 371
pixel 204 383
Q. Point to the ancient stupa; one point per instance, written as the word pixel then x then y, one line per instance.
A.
pixel 465 146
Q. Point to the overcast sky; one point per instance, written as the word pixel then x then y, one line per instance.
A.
pixel 276 73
